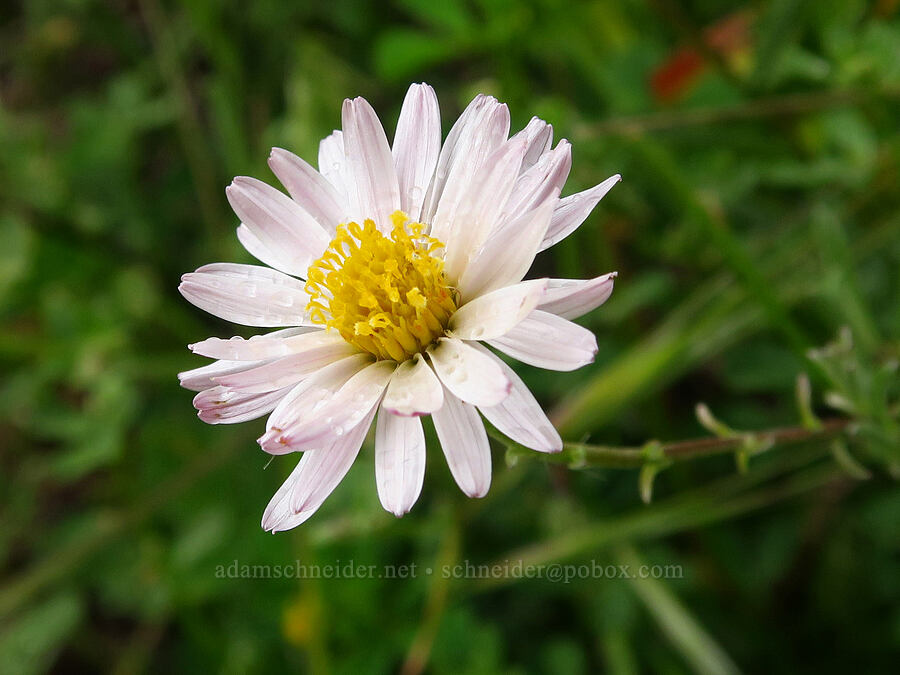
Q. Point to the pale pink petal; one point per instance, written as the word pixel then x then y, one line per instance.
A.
pixel 479 212
pixel 279 259
pixel 465 445
pixel 414 389
pixel 539 135
pixel 288 370
pixel 574 209
pixel 258 347
pixel 507 256
pixel 326 472
pixel 319 417
pixel 544 179
pixel 548 341
pixel 333 164
pixel 468 374
pixel 417 143
pixel 201 378
pixel 247 294
pixel 278 222
pixel 399 461
pixel 482 128
pixel 221 405
pixel 310 189
pixel 496 313
pixel 465 125
pixel 373 189
pixel 315 390
pixel 278 510
pixel 316 476
pixel 519 415
pixel 571 298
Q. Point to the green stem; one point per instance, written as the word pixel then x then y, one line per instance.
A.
pixel 683 630
pixel 584 455
pixel 773 106
pixel 708 321
pixel 715 503
pixel 435 604
pixel 190 129
pixel 59 563
pixel 715 229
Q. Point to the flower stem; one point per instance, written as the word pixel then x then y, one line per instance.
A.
pixel 728 498
pixel 436 603
pixel 584 456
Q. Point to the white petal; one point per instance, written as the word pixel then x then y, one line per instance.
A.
pixel 373 189
pixel 481 207
pixel 414 389
pixel 271 346
pixel 574 209
pixel 519 415
pixel 247 294
pixel 399 461
pixel 325 472
pixel 465 445
pixel 319 417
pixel 221 405
pixel 288 370
pixel 316 476
pixel 333 164
pixel 277 516
pixel 571 298
pixel 465 124
pixel 201 378
pixel 496 313
pixel 482 127
pixel 417 143
pixel 548 341
pixel 542 180
pixel 468 374
pixel 310 189
pixel 327 467
pixel 539 135
pixel 320 386
pixel 278 222
pixel 279 259
pixel 507 256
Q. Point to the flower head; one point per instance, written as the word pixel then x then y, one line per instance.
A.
pixel 386 269
pixel 385 294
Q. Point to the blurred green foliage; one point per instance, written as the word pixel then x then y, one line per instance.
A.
pixel 759 215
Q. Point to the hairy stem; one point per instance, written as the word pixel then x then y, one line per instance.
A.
pixel 584 455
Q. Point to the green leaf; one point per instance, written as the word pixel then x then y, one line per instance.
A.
pixel 30 643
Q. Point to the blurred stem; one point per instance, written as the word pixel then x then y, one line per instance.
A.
pixel 60 562
pixel 138 651
pixel 693 34
pixel 777 30
pixel 587 456
pixel 190 129
pixel 319 622
pixel 761 108
pixel 436 602
pixel 722 500
pixel 618 657
pixel 688 636
pixel 713 226
pixel 709 320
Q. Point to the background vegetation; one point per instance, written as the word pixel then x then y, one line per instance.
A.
pixel 758 216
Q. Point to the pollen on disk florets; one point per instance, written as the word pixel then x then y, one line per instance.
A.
pixel 386 295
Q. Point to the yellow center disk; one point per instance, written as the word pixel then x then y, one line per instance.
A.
pixel 387 296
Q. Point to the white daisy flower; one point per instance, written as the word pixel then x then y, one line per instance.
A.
pixel 386 269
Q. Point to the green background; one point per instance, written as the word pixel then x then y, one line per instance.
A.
pixel 758 215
